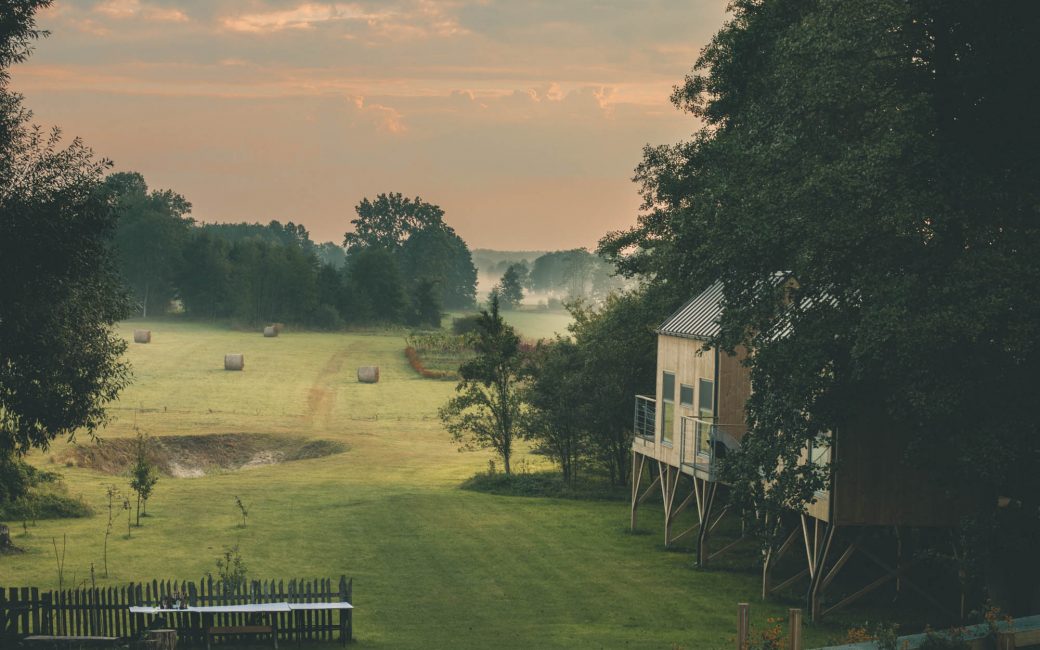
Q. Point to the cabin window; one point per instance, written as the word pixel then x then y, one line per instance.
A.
pixel 686 396
pixel 667 406
pixel 706 413
pixel 820 454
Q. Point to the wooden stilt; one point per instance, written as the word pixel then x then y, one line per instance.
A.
pixel 820 561
pixel 770 562
pixel 702 538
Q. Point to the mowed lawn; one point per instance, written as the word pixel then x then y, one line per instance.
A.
pixel 433 566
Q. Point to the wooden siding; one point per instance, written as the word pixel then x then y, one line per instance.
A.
pixel 874 486
pixel 734 388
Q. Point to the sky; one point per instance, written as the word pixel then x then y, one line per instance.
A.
pixel 523 120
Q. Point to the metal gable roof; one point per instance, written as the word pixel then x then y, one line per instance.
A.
pixel 697 319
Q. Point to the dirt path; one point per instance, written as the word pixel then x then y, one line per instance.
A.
pixel 321 397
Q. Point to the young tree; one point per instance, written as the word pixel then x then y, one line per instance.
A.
pixel 143 475
pixel 486 411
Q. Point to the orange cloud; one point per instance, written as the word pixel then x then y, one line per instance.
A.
pixel 135 9
pixel 425 19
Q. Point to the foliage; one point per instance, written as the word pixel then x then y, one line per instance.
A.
pixel 242 509
pixel 377 287
pixel 59 360
pixel 486 410
pixel 882 155
pixel 954 639
pixel 151 233
pixel 143 475
pixel 557 392
pixel 389 220
pixel 619 348
pixel 231 570
pixel 770 638
pixel 510 289
pixel 425 309
pixel 437 254
pixel 544 484
pixel 573 274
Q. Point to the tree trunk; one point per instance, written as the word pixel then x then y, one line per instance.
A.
pixel 5 538
pixel 163 639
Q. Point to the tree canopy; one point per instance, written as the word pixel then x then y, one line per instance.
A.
pixel 884 156
pixel 59 358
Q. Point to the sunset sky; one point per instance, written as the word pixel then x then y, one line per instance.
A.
pixel 523 120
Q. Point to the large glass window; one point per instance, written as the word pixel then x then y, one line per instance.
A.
pixel 706 413
pixel 667 406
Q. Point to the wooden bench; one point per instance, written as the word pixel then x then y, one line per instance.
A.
pixel 73 642
pixel 215 630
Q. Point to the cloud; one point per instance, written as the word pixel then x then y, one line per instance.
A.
pixel 124 9
pixel 422 19
pixel 385 118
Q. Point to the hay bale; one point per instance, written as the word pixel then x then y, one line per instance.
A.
pixel 234 361
pixel 368 374
pixel 270 331
pixel 142 336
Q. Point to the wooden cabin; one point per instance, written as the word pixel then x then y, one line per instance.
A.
pixel 697 415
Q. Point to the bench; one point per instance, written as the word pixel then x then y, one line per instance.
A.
pixel 73 642
pixel 215 630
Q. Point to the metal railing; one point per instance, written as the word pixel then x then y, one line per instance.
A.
pixel 702 439
pixel 645 421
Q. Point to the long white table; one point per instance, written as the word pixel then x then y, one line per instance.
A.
pixel 207 612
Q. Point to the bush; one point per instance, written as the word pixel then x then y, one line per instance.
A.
pixel 544 484
pixel 465 325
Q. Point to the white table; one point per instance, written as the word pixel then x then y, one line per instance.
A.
pixel 207 611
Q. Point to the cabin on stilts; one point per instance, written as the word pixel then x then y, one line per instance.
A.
pixel 697 416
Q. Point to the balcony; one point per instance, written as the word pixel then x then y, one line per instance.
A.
pixel 645 423
pixel 702 442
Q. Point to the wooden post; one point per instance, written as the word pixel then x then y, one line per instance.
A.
pixel 743 625
pixel 794 626
pixel 163 639
pixel 1006 640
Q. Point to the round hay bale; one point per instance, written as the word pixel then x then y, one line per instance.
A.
pixel 368 374
pixel 234 361
pixel 270 331
pixel 142 336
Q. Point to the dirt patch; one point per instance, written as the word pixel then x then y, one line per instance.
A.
pixel 195 456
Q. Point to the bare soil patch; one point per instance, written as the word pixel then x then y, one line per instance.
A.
pixel 195 456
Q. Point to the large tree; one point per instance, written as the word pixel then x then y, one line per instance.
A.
pixel 152 231
pixel 884 156
pixel 59 358
pixel 389 220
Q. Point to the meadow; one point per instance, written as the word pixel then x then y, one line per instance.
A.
pixel 434 566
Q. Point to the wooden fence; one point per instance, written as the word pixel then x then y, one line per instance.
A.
pixel 105 611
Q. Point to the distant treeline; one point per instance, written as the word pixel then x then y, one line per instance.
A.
pixel 557 275
pixel 402 264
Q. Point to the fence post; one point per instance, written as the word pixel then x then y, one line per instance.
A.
pixel 794 625
pixel 743 625
pixel 1006 640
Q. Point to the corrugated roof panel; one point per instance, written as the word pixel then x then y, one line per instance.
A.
pixel 698 318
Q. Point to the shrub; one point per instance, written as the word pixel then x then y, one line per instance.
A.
pixel 465 325
pixel 417 365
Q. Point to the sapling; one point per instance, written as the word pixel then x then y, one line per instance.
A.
pixel 242 509
pixel 129 512
pixel 111 492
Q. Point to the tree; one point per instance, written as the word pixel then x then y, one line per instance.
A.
pixel 486 411
pixel 510 288
pixel 883 155
pixel 438 254
pixel 426 305
pixel 376 287
pixel 389 220
pixel 558 396
pixel 59 358
pixel 151 233
pixel 618 348
pixel 143 475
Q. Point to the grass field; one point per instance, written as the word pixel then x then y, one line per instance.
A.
pixel 433 566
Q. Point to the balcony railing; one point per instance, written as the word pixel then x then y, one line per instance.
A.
pixel 645 422
pixel 702 441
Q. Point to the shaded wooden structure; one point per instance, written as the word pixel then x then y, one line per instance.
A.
pixel 697 415
pixel 105 611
